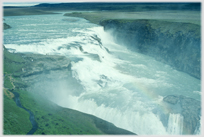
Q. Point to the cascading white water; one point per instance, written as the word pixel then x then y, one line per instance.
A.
pixel 198 129
pixel 138 122
pixel 117 85
pixel 175 124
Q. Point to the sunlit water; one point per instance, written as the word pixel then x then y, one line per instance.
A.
pixel 112 82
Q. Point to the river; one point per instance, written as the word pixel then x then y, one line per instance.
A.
pixel 108 80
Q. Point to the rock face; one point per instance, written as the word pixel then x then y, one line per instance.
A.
pixel 171 99
pixel 174 43
pixel 191 111
pixel 6 26
pixel 42 64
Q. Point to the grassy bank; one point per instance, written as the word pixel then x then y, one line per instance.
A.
pixel 16 120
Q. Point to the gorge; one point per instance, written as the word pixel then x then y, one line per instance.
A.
pixel 141 73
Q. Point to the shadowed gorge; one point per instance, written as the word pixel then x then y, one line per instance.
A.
pixel 102 68
pixel 175 43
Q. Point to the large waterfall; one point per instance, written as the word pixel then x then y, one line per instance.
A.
pixel 107 80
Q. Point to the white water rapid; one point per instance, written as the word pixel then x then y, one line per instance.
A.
pixel 113 83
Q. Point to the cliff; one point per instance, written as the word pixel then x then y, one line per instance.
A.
pixel 177 44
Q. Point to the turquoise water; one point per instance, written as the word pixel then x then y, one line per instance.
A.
pixel 120 86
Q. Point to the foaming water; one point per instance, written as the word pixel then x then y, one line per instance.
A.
pixel 175 124
pixel 117 85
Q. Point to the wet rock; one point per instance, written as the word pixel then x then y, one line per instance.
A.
pixel 191 111
pixel 38 64
pixel 172 99
pixel 6 26
pixel 95 37
pixel 81 49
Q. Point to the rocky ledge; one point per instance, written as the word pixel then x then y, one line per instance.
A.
pixel 6 26
pixel 38 64
pixel 190 110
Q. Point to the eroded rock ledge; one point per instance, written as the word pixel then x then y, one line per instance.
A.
pixel 38 64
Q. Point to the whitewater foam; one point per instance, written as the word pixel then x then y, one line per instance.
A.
pixel 175 124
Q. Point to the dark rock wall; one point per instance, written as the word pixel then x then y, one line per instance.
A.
pixel 6 26
pixel 174 43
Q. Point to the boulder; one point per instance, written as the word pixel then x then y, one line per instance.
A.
pixel 172 99
pixel 6 26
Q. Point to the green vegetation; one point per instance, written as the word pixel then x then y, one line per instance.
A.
pixel 53 119
pixel 16 120
pixel 7 82
pixel 12 62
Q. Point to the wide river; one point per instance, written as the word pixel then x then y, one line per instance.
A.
pixel 113 83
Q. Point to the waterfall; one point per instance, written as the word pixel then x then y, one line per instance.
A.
pixel 198 128
pixel 175 124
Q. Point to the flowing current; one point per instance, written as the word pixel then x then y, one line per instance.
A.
pixel 123 87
